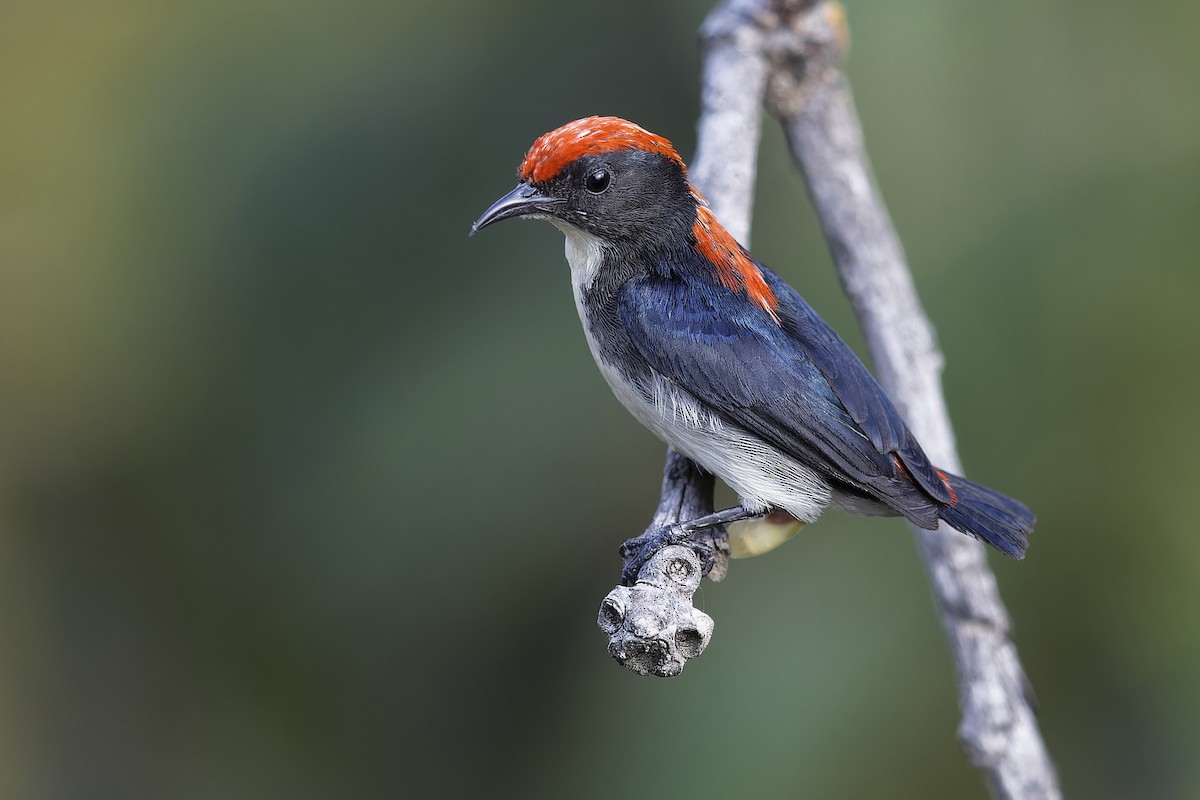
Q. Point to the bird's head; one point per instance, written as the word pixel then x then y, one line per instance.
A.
pixel 626 190
pixel 606 177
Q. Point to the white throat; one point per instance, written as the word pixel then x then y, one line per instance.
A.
pixel 584 251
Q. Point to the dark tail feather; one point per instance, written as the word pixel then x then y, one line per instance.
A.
pixel 1000 521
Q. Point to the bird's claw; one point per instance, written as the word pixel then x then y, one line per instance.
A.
pixel 640 549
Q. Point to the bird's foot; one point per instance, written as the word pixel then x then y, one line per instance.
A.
pixel 640 549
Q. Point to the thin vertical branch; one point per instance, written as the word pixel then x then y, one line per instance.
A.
pixel 810 96
pixel 731 97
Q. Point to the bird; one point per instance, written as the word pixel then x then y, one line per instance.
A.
pixel 720 358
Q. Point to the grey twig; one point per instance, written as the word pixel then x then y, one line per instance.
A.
pixel 791 51
pixel 652 626
pixel 731 98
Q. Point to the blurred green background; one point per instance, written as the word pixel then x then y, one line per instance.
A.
pixel 305 494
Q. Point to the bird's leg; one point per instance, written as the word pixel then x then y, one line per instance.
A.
pixel 640 549
pixel 723 517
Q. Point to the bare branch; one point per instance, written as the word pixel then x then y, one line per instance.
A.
pixel 813 101
pixel 734 79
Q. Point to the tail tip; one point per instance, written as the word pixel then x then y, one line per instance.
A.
pixel 1000 521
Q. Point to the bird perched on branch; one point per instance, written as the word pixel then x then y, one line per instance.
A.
pixel 719 357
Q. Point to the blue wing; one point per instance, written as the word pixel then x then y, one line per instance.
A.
pixel 860 393
pixel 796 385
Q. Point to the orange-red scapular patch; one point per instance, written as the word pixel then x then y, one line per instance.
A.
pixel 735 269
pixel 588 137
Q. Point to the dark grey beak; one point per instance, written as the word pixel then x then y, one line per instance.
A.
pixel 519 202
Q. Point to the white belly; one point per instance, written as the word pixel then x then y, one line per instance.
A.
pixel 763 477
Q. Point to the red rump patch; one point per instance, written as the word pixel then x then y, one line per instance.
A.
pixel 735 269
pixel 945 479
pixel 588 137
pixel 949 488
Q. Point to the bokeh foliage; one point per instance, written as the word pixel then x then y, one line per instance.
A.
pixel 303 493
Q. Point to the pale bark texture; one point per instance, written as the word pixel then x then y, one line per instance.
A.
pixel 789 53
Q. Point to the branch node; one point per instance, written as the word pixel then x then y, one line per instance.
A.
pixel 805 47
pixel 652 626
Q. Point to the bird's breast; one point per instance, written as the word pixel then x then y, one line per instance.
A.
pixel 763 476
pixel 656 402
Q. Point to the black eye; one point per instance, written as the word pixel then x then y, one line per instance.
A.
pixel 597 181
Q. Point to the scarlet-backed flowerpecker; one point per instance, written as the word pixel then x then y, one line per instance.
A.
pixel 718 356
